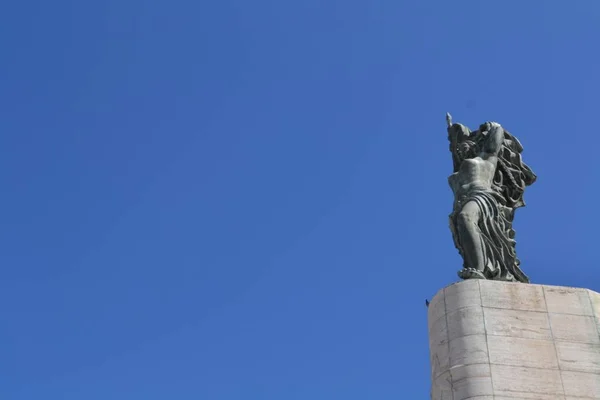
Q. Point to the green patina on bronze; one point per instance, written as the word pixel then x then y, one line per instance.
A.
pixel 488 182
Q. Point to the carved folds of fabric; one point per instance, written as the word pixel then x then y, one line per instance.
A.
pixel 497 235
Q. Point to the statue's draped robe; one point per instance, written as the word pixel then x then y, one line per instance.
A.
pixel 497 207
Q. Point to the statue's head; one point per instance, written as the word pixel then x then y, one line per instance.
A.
pixel 485 127
pixel 462 141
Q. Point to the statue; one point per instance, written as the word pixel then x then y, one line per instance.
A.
pixel 488 182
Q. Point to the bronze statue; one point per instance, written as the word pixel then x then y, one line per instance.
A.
pixel 488 182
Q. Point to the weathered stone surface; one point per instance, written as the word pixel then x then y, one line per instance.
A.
pixel 471 380
pixel 534 353
pixel 517 323
pixel 510 341
pixel 436 308
pixel 595 300
pixel 574 328
pixel 468 350
pixel 566 300
pixel 512 296
pixel 533 397
pixel 581 384
pixel 465 321
pixel 483 398
pixel 470 371
pixel 472 386
pixel 527 383
pixel 460 295
pixel 581 357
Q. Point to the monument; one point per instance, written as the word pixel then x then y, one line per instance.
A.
pixel 496 336
pixel 488 182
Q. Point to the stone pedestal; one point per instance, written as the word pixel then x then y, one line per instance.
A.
pixel 493 340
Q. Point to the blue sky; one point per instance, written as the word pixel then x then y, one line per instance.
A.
pixel 248 199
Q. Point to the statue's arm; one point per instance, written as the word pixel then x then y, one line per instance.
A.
pixel 494 140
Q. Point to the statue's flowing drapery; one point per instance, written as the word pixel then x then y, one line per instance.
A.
pixel 497 236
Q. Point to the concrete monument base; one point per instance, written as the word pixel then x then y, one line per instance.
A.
pixel 493 340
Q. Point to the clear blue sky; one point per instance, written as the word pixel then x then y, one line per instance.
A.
pixel 241 199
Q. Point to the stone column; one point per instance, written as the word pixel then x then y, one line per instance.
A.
pixel 493 340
